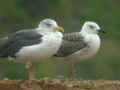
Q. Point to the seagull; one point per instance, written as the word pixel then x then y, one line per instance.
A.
pixel 32 45
pixel 80 45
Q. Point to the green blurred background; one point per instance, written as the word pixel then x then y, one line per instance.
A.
pixel 71 14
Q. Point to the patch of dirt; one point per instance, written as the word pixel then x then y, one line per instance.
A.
pixel 58 84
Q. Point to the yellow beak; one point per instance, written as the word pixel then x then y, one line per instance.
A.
pixel 60 29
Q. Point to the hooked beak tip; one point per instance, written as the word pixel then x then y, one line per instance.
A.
pixel 60 29
pixel 102 31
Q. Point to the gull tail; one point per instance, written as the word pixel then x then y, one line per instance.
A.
pixel 3 42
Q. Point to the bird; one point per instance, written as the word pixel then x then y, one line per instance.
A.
pixel 32 45
pixel 80 45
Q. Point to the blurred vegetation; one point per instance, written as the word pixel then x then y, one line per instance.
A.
pixel 71 14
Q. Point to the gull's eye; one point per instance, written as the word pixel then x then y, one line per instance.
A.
pixel 91 26
pixel 48 24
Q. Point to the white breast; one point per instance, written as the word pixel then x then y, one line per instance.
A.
pixel 94 44
pixel 48 47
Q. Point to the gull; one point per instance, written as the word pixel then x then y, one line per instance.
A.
pixel 80 45
pixel 32 45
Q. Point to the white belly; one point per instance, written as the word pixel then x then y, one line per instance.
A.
pixel 47 48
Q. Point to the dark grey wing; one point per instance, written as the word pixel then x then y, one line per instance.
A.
pixel 14 42
pixel 72 42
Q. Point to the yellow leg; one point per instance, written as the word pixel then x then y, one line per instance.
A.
pixel 30 71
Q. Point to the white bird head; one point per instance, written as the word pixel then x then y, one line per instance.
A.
pixel 91 27
pixel 50 25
